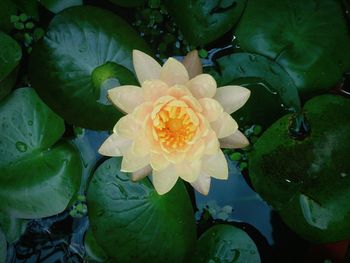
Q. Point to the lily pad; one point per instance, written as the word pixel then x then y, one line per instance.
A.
pixel 308 181
pixel 3 247
pixel 132 223
pixel 269 83
pixel 128 3
pixel 93 250
pixel 7 8
pixel 203 21
pixel 226 243
pixel 10 57
pixel 56 6
pixel 82 45
pixel 39 174
pixel 309 39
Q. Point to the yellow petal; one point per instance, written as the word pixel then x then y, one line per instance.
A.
pixel 188 171
pixel 142 173
pixel 152 90
pixel 215 165
pixel 126 97
pixel 232 97
pixel 202 86
pixel 145 66
pixel 127 127
pixel 193 64
pixel 132 163
pixel 159 162
pixel 173 72
pixel 211 109
pixel 115 145
pixel 224 126
pixel 202 184
pixel 234 141
pixel 164 180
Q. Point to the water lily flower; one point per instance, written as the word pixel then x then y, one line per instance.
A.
pixel 176 123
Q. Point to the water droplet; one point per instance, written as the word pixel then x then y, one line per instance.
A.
pixel 343 175
pixel 252 252
pixel 21 147
pixel 30 123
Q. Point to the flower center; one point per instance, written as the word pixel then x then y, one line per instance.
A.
pixel 175 126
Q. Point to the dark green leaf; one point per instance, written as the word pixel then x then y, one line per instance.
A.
pixel 38 176
pixel 128 3
pixel 86 51
pixel 28 7
pixel 7 9
pixel 93 250
pixel 13 227
pixel 10 56
pixel 132 223
pixel 203 21
pixel 56 6
pixel 308 38
pixel 224 244
pixel 308 181
pixel 3 247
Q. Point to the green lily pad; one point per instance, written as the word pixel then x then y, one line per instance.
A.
pixel 202 21
pixel 132 223
pixel 308 181
pixel 85 52
pixel 7 8
pixel 308 38
pixel 13 227
pixel 56 6
pixel 3 247
pixel 10 57
pixel 93 250
pixel 270 85
pixel 226 243
pixel 128 3
pixel 39 174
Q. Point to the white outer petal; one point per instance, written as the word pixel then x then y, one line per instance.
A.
pixel 164 180
pixel 145 66
pixel 115 145
pixel 234 141
pixel 232 98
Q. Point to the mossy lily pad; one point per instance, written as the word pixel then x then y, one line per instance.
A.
pixel 308 38
pixel 85 52
pixel 10 57
pixel 39 174
pixel 203 21
pixel 132 223
pixel 225 243
pixel 308 180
